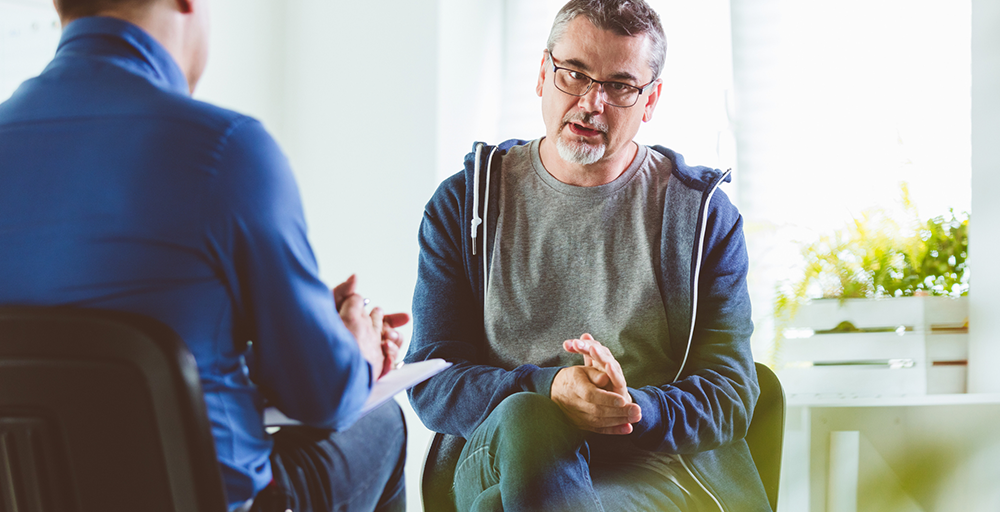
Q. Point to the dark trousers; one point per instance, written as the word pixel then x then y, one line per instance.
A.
pixel 527 456
pixel 359 469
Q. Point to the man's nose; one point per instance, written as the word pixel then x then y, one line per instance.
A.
pixel 593 100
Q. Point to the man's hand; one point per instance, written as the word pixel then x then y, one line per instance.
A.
pixel 367 329
pixel 344 290
pixel 580 393
pixel 376 333
pixel 598 356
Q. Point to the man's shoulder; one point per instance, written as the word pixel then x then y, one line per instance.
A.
pixel 697 177
pixel 203 114
pixel 123 97
pixel 455 186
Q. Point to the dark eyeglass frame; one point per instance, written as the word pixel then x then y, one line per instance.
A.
pixel 555 69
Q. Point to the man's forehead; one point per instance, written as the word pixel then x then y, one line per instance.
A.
pixel 587 48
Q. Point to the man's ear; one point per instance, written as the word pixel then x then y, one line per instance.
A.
pixel 651 100
pixel 185 6
pixel 541 73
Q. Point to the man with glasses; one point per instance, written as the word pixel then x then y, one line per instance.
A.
pixel 591 295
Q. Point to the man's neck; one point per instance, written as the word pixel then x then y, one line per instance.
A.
pixel 161 24
pixel 602 172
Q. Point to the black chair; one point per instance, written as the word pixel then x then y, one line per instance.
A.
pixel 101 411
pixel 765 437
pixel 766 434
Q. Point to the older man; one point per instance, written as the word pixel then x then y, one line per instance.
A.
pixel 119 191
pixel 591 293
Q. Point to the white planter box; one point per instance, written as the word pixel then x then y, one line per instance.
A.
pixel 926 355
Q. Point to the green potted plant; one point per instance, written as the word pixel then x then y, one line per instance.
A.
pixel 863 288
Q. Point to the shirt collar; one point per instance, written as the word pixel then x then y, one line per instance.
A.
pixel 142 54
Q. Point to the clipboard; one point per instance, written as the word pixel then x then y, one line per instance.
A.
pixel 393 383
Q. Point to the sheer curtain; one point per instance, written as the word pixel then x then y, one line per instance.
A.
pixel 837 103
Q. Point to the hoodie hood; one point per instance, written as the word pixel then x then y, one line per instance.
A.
pixel 697 177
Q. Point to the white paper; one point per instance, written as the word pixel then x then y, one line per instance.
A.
pixel 390 385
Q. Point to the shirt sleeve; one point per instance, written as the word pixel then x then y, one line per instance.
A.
pixel 305 361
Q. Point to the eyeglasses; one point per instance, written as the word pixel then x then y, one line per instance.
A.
pixel 575 83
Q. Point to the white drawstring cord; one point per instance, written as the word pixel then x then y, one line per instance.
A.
pixel 476 221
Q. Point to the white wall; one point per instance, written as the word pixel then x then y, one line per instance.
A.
pixel 360 87
pixel 984 245
pixel 469 74
pixel 349 89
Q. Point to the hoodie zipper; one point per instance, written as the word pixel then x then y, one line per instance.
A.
pixel 694 315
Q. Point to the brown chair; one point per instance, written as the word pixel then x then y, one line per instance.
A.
pixel 765 437
pixel 101 411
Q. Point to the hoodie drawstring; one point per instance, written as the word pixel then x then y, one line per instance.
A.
pixel 476 220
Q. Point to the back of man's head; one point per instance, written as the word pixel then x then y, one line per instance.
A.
pixel 623 17
pixel 73 9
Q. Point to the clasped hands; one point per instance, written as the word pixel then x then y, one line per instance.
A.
pixel 594 396
pixel 375 331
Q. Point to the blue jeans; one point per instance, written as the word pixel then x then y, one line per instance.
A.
pixel 527 456
pixel 359 469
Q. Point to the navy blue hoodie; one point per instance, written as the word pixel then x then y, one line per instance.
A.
pixel 702 415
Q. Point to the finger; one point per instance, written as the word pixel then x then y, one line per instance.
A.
pixel 574 346
pixel 600 379
pixel 600 353
pixel 392 337
pixel 571 347
pixel 601 397
pixel 634 412
pixel 391 352
pixel 377 319
pixel 396 319
pixel 606 361
pixel 609 365
pixel 353 307
pixel 593 416
pixel 617 430
pixel 587 415
pixel 344 290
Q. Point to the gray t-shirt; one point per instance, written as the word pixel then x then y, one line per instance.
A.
pixel 569 260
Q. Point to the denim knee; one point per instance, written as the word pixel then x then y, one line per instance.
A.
pixel 529 412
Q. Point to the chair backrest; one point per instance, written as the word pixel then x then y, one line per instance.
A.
pixel 765 437
pixel 767 432
pixel 101 411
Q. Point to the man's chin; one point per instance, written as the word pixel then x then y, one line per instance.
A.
pixel 579 152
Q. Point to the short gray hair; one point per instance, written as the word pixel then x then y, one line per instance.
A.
pixel 623 17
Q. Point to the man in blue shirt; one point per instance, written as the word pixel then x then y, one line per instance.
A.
pixel 118 191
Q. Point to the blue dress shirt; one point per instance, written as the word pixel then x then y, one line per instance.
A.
pixel 118 191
